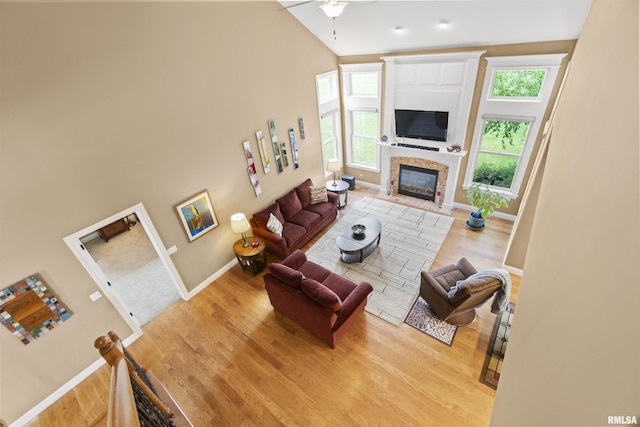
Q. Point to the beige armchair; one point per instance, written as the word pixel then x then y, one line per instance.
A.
pixel 459 308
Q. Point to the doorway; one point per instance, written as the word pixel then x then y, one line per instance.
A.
pixel 131 266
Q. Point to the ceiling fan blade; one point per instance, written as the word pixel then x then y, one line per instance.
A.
pixel 297 4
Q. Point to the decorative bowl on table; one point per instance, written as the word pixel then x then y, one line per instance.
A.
pixel 358 231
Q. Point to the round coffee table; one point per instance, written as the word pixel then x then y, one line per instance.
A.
pixel 354 248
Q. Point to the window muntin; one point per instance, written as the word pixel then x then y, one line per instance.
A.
pixel 328 132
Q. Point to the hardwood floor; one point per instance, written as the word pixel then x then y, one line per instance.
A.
pixel 229 359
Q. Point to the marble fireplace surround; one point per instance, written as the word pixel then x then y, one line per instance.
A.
pixel 447 164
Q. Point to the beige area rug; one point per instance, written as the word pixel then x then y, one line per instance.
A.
pixel 137 275
pixel 411 239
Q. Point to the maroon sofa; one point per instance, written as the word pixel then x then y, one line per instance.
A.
pixel 301 220
pixel 322 302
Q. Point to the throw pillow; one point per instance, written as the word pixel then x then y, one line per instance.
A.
pixel 288 275
pixel 274 225
pixel 321 294
pixel 318 195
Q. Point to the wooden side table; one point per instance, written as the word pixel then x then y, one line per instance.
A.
pixel 340 188
pixel 251 258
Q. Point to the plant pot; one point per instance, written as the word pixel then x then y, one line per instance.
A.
pixel 475 223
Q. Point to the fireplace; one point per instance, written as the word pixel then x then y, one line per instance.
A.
pixel 418 182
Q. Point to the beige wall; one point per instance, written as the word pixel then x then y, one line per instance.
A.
pixel 564 46
pixel 574 349
pixel 107 105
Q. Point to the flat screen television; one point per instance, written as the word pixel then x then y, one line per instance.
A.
pixel 430 125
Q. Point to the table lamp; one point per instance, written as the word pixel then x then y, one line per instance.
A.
pixel 239 224
pixel 333 165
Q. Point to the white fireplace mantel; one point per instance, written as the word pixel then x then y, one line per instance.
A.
pixel 452 160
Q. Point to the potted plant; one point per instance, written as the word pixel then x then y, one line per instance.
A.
pixel 485 200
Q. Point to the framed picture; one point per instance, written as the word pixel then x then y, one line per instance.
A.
pixel 197 215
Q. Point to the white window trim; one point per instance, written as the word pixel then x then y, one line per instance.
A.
pixel 361 103
pixel 328 108
pixel 526 109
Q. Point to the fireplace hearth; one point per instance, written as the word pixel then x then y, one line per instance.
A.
pixel 418 182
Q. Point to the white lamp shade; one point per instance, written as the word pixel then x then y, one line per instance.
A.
pixel 333 8
pixel 239 223
pixel 333 165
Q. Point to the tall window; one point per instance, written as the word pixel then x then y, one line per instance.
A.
pixel 329 111
pixel 362 100
pixel 514 99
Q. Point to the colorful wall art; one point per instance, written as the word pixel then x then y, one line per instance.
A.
pixel 294 148
pixel 29 310
pixel 262 148
pixel 251 168
pixel 276 146
pixel 197 216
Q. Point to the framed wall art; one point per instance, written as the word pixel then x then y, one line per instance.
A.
pixel 262 148
pixel 276 146
pixel 294 148
pixel 251 168
pixel 301 124
pixel 197 216
pixel 29 310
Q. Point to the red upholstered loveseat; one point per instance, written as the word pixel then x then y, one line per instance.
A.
pixel 322 302
pixel 300 219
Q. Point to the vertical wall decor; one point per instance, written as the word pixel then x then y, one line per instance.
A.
pixel 29 310
pixel 262 147
pixel 285 158
pixel 294 148
pixel 276 146
pixel 197 215
pixel 251 168
pixel 301 123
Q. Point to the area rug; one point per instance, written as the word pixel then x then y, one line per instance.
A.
pixel 497 348
pixel 422 317
pixel 410 241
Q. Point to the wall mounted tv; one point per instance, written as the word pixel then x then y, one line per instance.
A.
pixel 430 125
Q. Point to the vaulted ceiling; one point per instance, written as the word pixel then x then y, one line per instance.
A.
pixel 384 26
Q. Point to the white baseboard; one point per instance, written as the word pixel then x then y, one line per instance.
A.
pixel 368 185
pixel 513 270
pixel 470 208
pixel 206 282
pixel 30 415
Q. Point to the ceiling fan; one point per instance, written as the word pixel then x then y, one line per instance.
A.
pixel 331 8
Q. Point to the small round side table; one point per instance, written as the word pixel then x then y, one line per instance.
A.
pixel 252 258
pixel 340 188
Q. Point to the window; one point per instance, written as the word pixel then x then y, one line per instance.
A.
pixel 362 100
pixel 514 99
pixel 329 111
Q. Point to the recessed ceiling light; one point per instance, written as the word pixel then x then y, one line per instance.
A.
pixel 443 23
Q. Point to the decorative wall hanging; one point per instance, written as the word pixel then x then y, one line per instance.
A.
pixel 262 147
pixel 276 146
pixel 285 158
pixel 197 215
pixel 301 123
pixel 294 148
pixel 251 168
pixel 29 310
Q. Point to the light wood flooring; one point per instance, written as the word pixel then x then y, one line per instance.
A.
pixel 229 359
